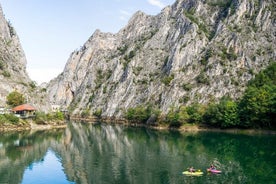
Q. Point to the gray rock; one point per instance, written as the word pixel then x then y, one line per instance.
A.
pixel 13 74
pixel 193 51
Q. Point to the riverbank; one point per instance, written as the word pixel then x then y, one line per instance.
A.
pixel 200 128
pixel 183 128
pixel 29 124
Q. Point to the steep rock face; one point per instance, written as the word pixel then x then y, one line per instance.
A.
pixel 13 74
pixel 193 51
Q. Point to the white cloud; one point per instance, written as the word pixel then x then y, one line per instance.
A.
pixel 156 3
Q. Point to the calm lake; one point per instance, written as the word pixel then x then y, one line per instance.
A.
pixel 103 153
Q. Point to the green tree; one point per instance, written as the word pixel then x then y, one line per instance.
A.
pixel 59 116
pixel 177 117
pixel 183 114
pixel 224 114
pixel 229 112
pixel 258 106
pixel 211 115
pixel 195 112
pixel 141 114
pixel 15 98
pixel 172 118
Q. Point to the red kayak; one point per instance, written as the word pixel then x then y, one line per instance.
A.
pixel 214 171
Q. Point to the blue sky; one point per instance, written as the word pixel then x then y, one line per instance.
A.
pixel 49 30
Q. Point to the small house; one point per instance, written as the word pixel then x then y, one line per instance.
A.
pixel 24 111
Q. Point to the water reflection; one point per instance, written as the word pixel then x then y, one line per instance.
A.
pixel 46 170
pixel 87 153
pixel 21 150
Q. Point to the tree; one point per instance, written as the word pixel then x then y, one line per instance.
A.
pixel 229 111
pixel 195 112
pixel 140 114
pixel 211 115
pixel 257 107
pixel 223 114
pixel 15 98
pixel 172 118
pixel 183 114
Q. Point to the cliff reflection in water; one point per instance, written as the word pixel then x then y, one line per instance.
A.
pixel 116 154
pixel 103 153
pixel 19 150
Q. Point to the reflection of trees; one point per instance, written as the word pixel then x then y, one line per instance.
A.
pixel 20 149
pixel 245 158
pixel 104 153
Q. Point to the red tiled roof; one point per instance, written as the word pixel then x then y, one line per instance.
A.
pixel 24 107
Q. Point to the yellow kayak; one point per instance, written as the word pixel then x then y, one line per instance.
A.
pixel 196 173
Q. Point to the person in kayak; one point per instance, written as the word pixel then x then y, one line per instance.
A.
pixel 212 167
pixel 191 169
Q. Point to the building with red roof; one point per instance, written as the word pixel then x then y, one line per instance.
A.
pixel 24 111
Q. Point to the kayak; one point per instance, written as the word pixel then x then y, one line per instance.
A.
pixel 214 171
pixel 196 173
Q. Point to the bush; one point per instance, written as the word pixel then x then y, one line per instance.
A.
pixel 85 113
pixel 12 118
pixel 175 118
pixel 8 118
pixel 42 117
pixel 98 113
pixel 195 112
pixel 140 114
pixel 202 79
pixel 187 86
pixel 167 80
pixel 58 116
pixel 6 74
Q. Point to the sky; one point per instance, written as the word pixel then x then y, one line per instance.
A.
pixel 50 30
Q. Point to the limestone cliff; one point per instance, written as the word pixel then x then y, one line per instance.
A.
pixel 13 74
pixel 193 51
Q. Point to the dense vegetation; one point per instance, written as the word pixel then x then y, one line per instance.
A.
pixel 255 109
pixel 40 118
pixel 45 118
pixel 8 118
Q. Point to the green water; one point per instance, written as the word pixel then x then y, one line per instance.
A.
pixel 87 153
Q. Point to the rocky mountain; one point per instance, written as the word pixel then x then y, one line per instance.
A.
pixel 13 74
pixel 192 51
